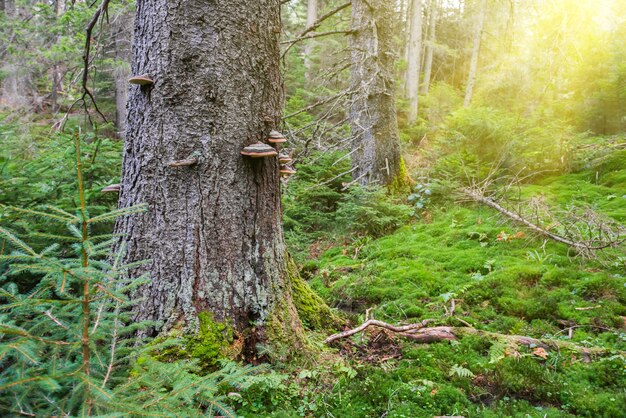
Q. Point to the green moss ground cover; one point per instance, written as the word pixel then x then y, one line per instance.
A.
pixel 504 280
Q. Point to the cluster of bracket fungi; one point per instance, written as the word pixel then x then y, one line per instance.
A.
pixel 256 150
pixel 263 150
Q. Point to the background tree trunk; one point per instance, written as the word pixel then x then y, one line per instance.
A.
pixel 478 33
pixel 57 75
pixel 213 230
pixel 121 73
pixel 430 46
pixel 311 17
pixel 16 83
pixel 414 59
pixel 373 111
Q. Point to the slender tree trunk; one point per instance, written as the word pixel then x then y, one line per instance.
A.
pixel 16 83
pixel 428 66
pixel 414 59
pixel 311 17
pixel 122 68
pixel 59 9
pixel 510 27
pixel 373 111
pixel 9 8
pixel 478 33
pixel 212 233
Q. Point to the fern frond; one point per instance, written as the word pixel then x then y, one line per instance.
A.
pixel 460 371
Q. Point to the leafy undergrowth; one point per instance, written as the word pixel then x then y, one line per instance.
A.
pixel 502 279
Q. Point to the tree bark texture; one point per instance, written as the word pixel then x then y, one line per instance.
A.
pixel 213 231
pixel 478 33
pixel 376 159
pixel 414 59
pixel 430 46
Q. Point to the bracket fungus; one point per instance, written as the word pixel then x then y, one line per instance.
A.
pixel 276 137
pixel 184 163
pixel 284 158
pixel 286 170
pixel 259 150
pixel 142 80
pixel 112 188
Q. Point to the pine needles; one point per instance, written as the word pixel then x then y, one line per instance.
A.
pixel 68 345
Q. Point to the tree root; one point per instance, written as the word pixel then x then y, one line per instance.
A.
pixel 420 334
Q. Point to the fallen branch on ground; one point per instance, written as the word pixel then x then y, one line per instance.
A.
pixel 603 238
pixel 420 334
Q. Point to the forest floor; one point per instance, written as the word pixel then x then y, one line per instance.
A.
pixel 502 279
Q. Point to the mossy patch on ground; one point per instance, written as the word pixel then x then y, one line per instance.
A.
pixel 503 280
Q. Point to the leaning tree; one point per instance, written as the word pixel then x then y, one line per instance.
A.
pixel 210 86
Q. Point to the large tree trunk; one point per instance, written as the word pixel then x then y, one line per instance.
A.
pixel 374 127
pixel 213 231
pixel 428 64
pixel 414 60
pixel 311 17
pixel 478 33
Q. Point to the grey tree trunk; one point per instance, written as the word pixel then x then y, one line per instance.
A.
pixel 121 73
pixel 374 127
pixel 510 27
pixel 414 60
pixel 57 75
pixel 430 46
pixel 311 17
pixel 15 92
pixel 478 33
pixel 213 230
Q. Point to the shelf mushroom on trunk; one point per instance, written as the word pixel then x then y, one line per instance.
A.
pixel 141 80
pixel 287 170
pixel 112 188
pixel 276 137
pixel 284 158
pixel 259 150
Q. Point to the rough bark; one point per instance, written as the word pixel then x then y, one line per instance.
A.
pixel 430 46
pixel 311 18
pixel 376 158
pixel 212 233
pixel 478 33
pixel 414 59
